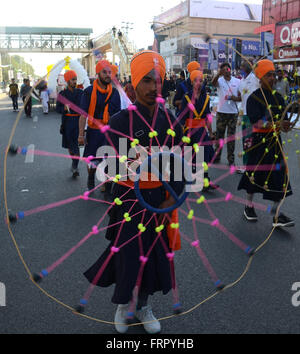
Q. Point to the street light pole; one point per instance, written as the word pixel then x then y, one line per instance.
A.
pixel 127 26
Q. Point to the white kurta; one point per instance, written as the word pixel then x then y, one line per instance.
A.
pixel 45 100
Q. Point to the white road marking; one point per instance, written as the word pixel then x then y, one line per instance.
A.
pixel 30 154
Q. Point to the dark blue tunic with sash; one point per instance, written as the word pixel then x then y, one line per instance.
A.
pixel 198 134
pixel 70 123
pixel 265 149
pixel 123 268
pixel 94 137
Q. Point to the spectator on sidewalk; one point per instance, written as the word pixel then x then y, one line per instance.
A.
pixel 282 85
pixel 45 100
pixel 13 94
pixel 26 97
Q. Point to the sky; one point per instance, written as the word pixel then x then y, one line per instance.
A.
pixel 95 14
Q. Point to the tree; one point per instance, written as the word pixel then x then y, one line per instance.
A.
pixel 17 63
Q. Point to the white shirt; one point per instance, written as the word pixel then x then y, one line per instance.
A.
pixel 45 96
pixel 227 88
pixel 247 86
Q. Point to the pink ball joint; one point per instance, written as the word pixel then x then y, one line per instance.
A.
pixel 105 128
pixel 195 243
pixel 170 256
pixel 132 107
pixel 86 196
pixel 159 99
pixel 89 159
pixel 115 249
pixel 228 197
pixel 215 223
pixel 232 169
pixel 95 230
pixel 143 259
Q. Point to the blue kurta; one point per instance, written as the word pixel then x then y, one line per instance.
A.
pixel 123 268
pixel 264 149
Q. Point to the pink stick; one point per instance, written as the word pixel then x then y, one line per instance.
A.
pixel 51 206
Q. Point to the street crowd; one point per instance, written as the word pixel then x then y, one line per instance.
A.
pixel 255 97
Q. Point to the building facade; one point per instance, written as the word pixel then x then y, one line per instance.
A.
pixel 281 24
pixel 208 31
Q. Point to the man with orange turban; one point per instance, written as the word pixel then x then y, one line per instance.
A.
pixel 196 118
pixel 265 111
pixel 100 101
pixel 185 86
pixel 68 103
pixel 141 122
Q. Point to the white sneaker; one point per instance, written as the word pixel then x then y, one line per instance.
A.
pixel 150 323
pixel 241 170
pixel 121 319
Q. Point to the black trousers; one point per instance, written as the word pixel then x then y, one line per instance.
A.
pixel 14 99
pixel 27 106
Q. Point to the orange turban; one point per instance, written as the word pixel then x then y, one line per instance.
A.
pixel 69 75
pixel 193 65
pixel 114 70
pixel 102 64
pixel 263 67
pixel 196 73
pixel 144 62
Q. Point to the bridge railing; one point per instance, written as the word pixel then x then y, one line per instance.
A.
pixel 43 42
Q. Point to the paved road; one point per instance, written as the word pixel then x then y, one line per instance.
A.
pixel 259 303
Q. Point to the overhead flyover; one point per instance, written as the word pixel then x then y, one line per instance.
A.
pixel 45 40
pixel 115 42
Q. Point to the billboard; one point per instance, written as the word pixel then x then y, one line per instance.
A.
pixel 225 10
pixel 287 34
pixel 225 51
pixel 199 43
pixel 168 46
pixel 251 48
pixel 213 56
pixel 287 54
pixel 172 15
pixel 267 45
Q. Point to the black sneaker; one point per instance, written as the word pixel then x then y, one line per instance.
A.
pixel 75 172
pixel 283 221
pixel 250 213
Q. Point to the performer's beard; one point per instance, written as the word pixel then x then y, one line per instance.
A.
pixel 105 82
